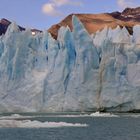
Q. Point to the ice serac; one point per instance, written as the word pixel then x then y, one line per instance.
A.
pixel 118 92
pixel 83 77
pixel 75 72
pixel 21 82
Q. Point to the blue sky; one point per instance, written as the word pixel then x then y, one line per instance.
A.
pixel 41 14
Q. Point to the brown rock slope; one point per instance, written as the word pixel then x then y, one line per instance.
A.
pixel 93 22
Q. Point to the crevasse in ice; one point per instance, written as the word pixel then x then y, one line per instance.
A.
pixel 76 72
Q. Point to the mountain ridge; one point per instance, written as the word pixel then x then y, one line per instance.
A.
pixel 92 22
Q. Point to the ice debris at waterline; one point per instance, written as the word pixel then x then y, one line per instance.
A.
pixel 76 72
pixel 98 114
pixel 37 124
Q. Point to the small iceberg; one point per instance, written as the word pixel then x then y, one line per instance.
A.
pixel 99 114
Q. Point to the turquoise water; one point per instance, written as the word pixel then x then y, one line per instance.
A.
pixel 125 127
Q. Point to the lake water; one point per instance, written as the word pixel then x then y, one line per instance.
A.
pixel 70 127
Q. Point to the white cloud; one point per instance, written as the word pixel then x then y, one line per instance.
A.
pixel 60 2
pixel 52 8
pixel 66 2
pixel 126 3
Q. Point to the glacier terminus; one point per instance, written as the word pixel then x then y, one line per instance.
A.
pixel 75 72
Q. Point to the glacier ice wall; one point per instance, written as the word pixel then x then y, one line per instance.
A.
pixel 76 72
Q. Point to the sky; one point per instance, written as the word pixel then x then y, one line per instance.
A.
pixel 42 14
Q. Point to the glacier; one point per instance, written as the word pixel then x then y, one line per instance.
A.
pixel 75 72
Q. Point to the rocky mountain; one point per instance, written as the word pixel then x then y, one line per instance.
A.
pixel 129 14
pixel 94 22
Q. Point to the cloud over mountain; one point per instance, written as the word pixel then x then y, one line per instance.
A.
pixel 53 7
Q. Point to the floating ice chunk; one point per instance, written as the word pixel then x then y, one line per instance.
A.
pixel 37 124
pixel 98 114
